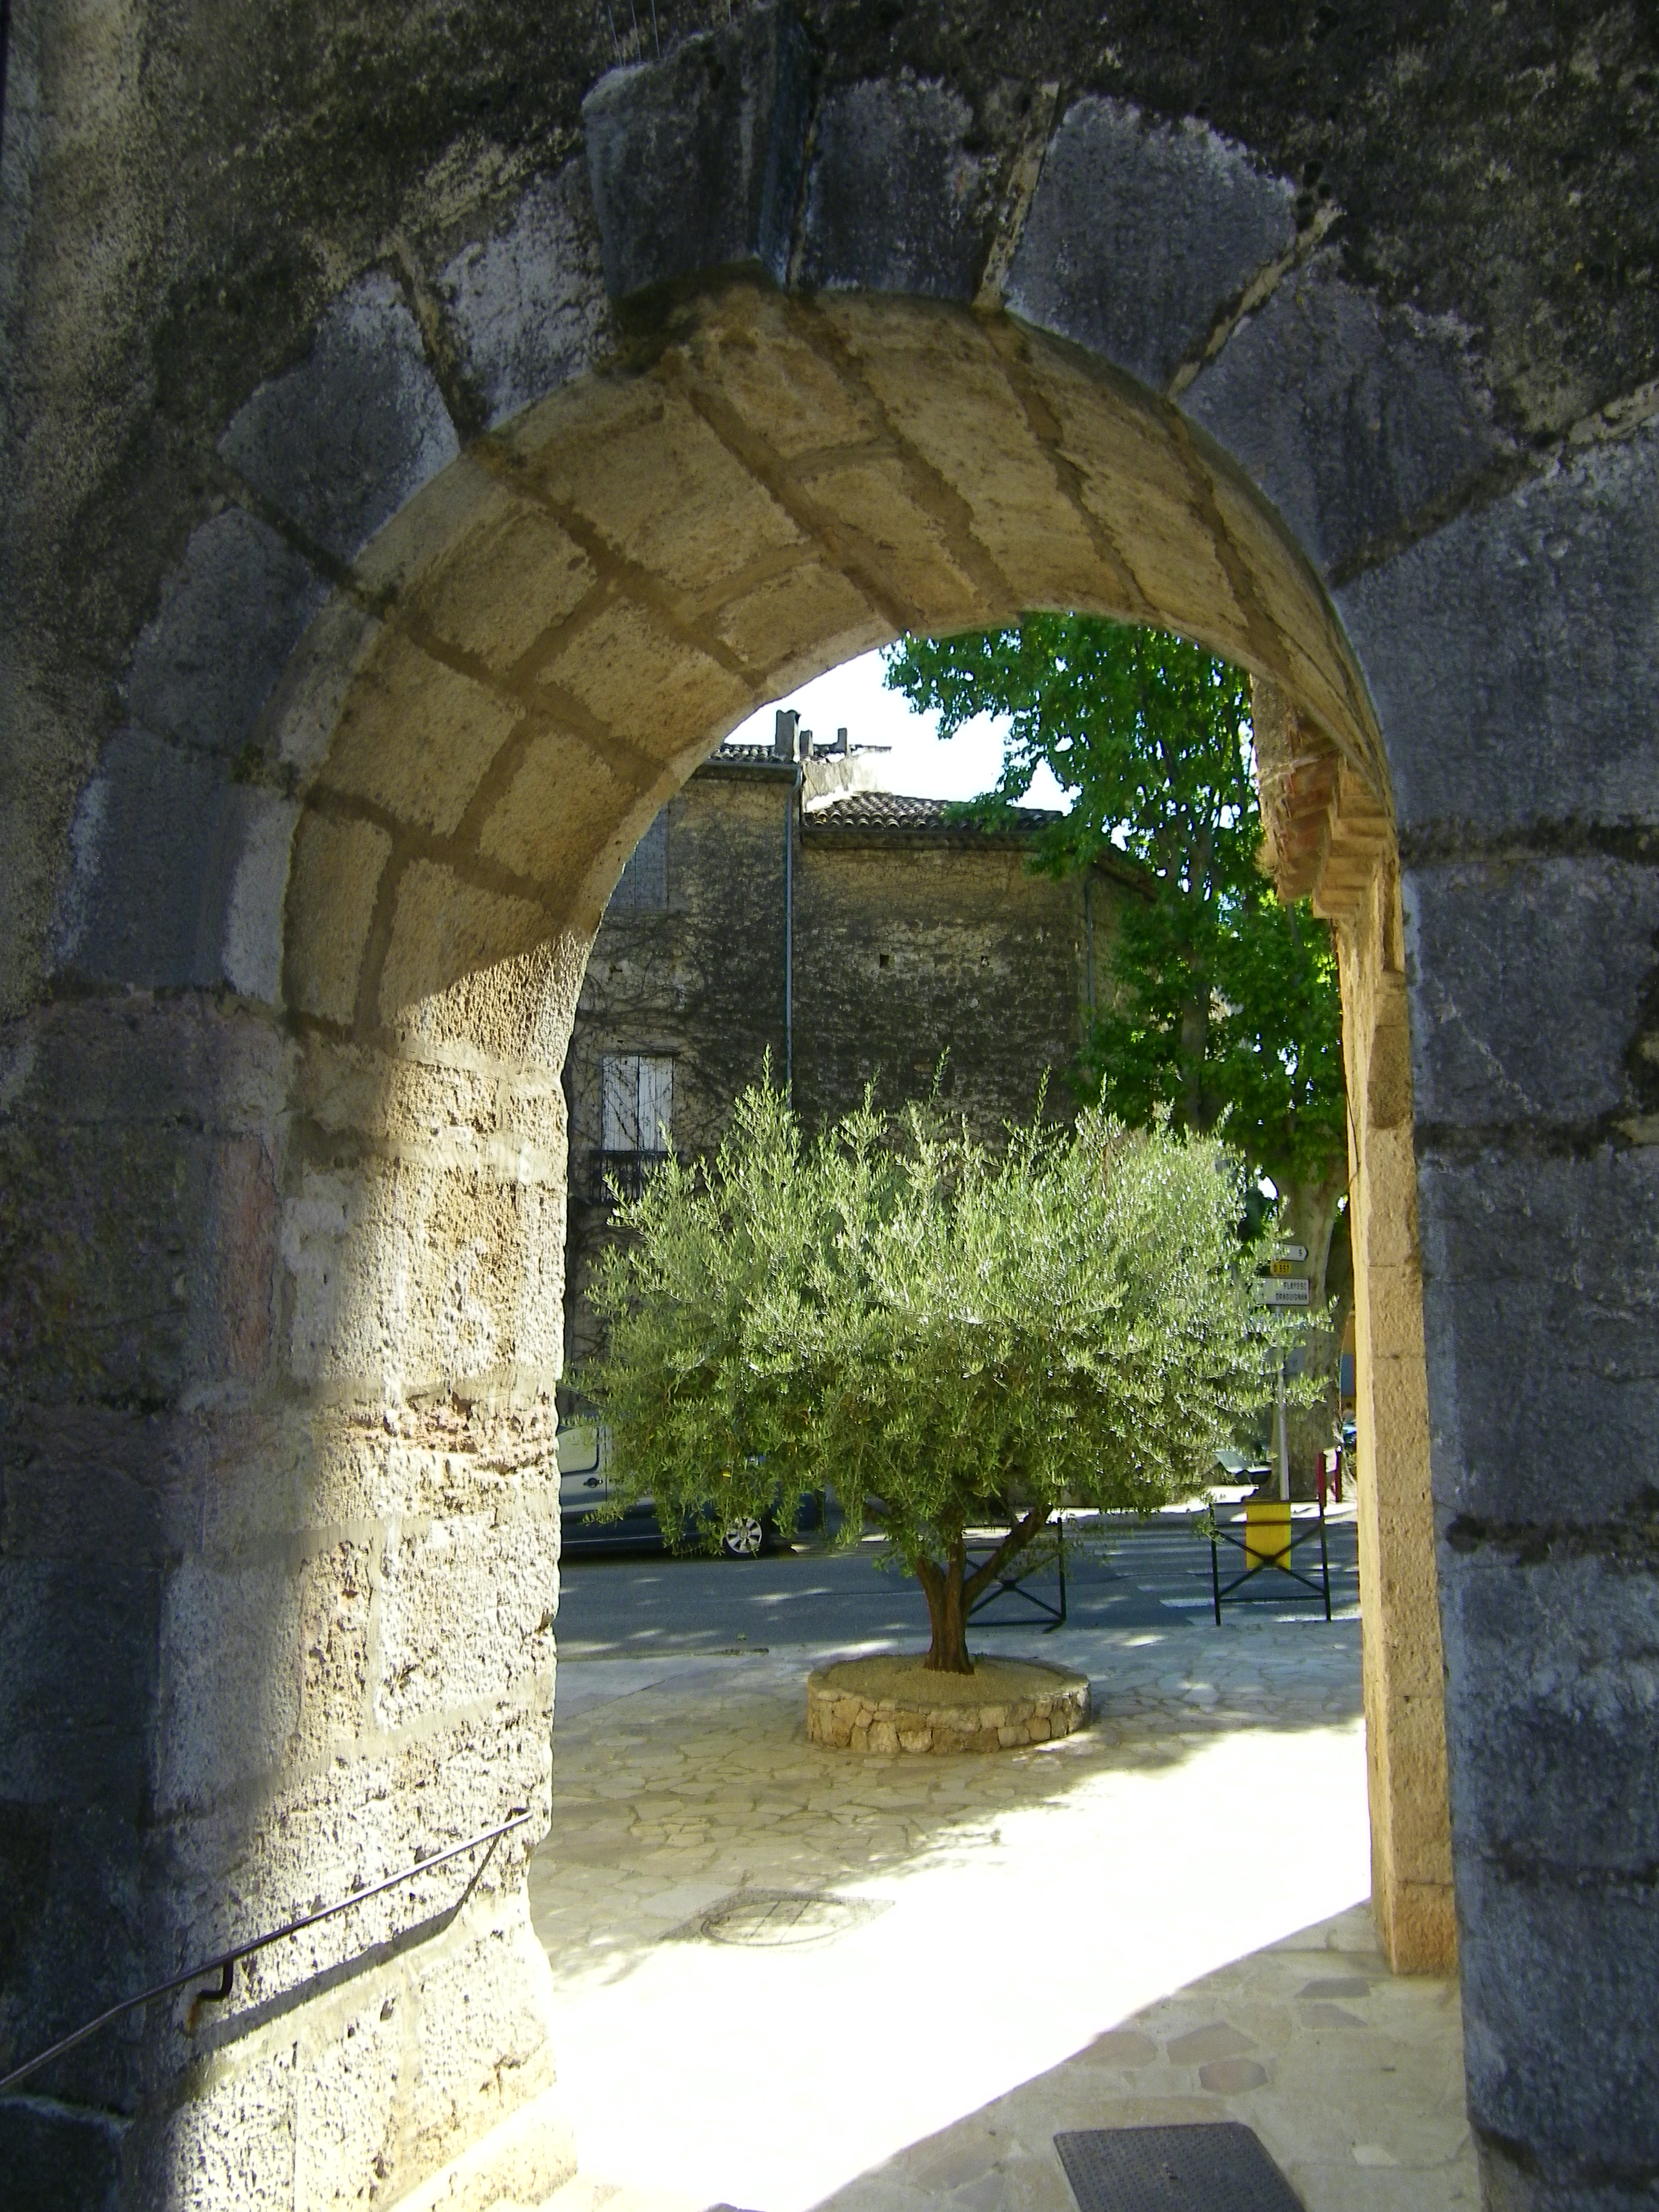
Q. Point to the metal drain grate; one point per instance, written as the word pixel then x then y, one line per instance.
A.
pixel 1210 2167
pixel 772 1919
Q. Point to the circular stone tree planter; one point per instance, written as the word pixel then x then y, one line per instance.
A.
pixel 895 1705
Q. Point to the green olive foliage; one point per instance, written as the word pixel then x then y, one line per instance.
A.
pixel 945 1334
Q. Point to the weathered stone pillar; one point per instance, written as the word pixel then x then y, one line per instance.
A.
pixel 1511 659
pixel 1329 837
pixel 1405 1703
pixel 278 1548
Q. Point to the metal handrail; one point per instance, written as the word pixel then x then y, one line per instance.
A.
pixel 225 1965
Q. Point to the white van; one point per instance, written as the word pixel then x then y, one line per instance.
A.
pixel 584 1450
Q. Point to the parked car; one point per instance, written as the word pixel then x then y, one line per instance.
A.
pixel 585 1487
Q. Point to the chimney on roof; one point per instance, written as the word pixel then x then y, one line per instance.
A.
pixel 806 745
pixel 783 733
pixel 841 739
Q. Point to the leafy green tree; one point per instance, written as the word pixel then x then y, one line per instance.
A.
pixel 947 1335
pixel 1226 1010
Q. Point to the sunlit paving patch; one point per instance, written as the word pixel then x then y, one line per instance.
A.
pixel 919 1971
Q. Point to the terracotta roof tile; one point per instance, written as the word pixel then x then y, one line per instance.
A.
pixel 893 809
pixel 729 749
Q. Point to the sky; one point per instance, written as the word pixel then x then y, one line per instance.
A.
pixel 919 764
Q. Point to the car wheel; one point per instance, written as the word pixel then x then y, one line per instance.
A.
pixel 743 1538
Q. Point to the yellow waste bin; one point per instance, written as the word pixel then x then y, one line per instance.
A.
pixel 1266 1532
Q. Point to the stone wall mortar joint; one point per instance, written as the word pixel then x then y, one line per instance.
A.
pixel 1457 1144
pixel 1256 294
pixel 1617 423
pixel 1024 174
pixel 1451 844
pixel 468 414
pixel 1506 472
pixel 236 491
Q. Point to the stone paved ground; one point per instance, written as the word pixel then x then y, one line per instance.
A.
pixel 1159 1919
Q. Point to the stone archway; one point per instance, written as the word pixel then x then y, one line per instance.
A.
pixel 565 620
pixel 285 1146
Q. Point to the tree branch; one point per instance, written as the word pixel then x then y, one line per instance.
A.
pixel 1011 1545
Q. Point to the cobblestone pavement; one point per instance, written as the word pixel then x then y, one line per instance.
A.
pixel 788 1975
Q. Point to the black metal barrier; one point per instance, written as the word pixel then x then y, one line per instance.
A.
pixel 1011 1585
pixel 1303 1527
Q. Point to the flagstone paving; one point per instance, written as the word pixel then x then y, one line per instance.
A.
pixel 788 1976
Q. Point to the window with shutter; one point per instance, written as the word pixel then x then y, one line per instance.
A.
pixel 620 1115
pixel 656 1103
pixel 637 1107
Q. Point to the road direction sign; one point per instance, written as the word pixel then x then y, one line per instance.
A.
pixel 1283 1291
pixel 1290 1251
pixel 1286 1266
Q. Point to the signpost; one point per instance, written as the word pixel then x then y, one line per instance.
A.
pixel 1281 1284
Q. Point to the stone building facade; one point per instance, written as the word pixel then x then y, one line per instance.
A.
pixel 774 909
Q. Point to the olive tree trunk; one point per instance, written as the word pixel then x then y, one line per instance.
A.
pixel 950 1590
pixel 942 1585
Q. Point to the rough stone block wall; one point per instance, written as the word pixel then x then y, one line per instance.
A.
pixel 701 980
pixel 1525 782
pixel 911 950
pixel 703 977
pixel 280 1563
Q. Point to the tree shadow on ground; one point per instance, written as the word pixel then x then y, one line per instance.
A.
pixel 681 1780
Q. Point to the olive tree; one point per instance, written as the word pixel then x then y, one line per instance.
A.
pixel 947 1334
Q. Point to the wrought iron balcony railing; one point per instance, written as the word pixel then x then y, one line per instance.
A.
pixel 627 1170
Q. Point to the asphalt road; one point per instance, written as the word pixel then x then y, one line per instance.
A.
pixel 1139 1575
